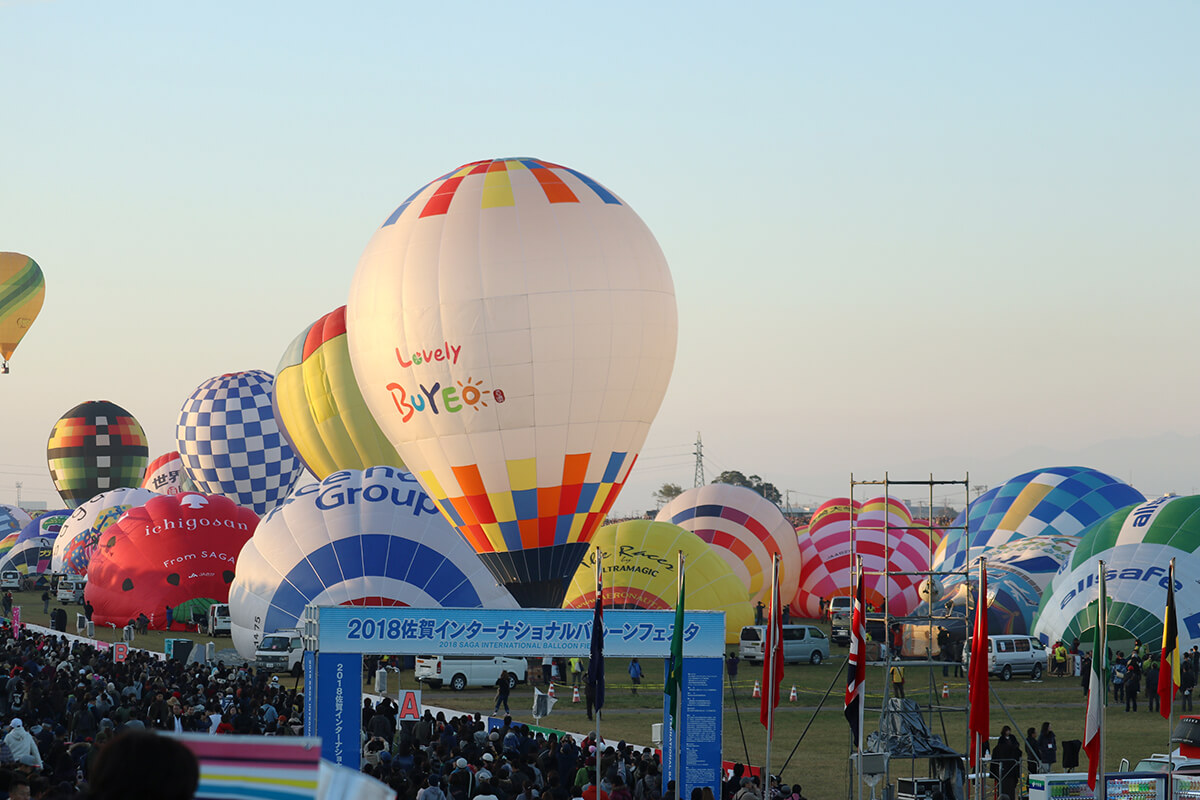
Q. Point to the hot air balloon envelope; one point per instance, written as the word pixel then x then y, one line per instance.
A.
pixel 319 406
pixel 95 447
pixel 22 291
pixel 512 328
pixel 231 445
pixel 355 538
pixel 178 551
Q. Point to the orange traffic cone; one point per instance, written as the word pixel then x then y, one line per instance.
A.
pixel 575 695
pixel 550 691
pixel 945 691
pixel 792 696
pixel 757 690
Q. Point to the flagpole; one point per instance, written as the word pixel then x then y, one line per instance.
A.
pixel 675 721
pixel 1102 621
pixel 862 660
pixel 1171 699
pixel 599 599
pixel 769 689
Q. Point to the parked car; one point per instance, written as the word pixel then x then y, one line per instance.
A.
pixel 281 651
pixel 839 615
pixel 1010 655
pixel 800 643
pixel 463 671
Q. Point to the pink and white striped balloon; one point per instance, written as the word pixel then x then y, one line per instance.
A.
pixel 826 557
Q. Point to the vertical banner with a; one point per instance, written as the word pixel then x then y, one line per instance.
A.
pixel 339 697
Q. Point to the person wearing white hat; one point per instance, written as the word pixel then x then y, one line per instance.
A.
pixel 22 744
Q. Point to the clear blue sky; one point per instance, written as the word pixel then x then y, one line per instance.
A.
pixel 904 237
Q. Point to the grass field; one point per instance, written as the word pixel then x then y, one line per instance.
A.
pixel 820 761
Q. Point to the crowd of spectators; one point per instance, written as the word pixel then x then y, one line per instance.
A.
pixel 62 700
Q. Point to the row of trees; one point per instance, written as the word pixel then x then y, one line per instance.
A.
pixel 670 491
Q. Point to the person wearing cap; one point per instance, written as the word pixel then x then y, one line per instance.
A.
pixel 21 744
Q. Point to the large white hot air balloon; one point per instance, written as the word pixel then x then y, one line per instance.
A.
pixel 357 537
pixel 512 328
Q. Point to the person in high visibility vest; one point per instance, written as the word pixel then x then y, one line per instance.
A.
pixel 897 675
pixel 576 665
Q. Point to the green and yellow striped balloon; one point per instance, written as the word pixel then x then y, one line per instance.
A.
pixel 22 290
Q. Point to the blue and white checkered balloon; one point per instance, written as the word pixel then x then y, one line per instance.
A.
pixel 231 444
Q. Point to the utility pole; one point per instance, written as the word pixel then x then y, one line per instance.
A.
pixel 699 453
pixel 979 489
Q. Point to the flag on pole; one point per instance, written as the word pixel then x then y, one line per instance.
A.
pixel 772 654
pixel 1168 668
pixel 595 676
pixel 977 672
pixel 675 674
pixel 856 674
pixel 1097 687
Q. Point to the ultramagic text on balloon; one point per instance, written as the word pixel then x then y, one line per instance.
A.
pixel 331 495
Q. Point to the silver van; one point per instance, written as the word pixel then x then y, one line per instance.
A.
pixel 1010 655
pixel 800 643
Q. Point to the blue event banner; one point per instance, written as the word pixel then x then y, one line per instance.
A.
pixel 339 698
pixel 701 710
pixel 395 630
pixel 310 693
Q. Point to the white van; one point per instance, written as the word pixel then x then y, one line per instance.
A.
pixel 1010 655
pixel 10 579
pixel 839 615
pixel 70 588
pixel 219 622
pixel 281 651
pixel 464 671
pixel 800 643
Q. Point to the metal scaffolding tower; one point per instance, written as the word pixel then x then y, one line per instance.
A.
pixel 936 614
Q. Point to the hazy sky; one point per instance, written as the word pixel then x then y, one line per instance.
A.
pixel 904 236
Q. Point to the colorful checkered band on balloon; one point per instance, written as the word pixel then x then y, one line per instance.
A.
pixel 498 186
pixel 530 516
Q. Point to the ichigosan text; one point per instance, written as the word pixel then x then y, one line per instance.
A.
pixel 436 398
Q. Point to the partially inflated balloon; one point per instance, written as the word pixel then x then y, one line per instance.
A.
pixel 34 547
pixel 512 328
pixel 1056 501
pixel 355 538
pixel 77 539
pixel 166 475
pixel 94 447
pixel 12 519
pixel 1137 544
pixel 178 551
pixel 22 291
pixel 231 444
pixel 640 560
pixel 320 407
pixel 746 528
pixel 885 536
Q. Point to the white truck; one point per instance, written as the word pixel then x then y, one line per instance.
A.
pixel 281 651
pixel 70 588
pixel 218 622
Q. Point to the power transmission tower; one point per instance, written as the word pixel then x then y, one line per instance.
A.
pixel 19 484
pixel 698 481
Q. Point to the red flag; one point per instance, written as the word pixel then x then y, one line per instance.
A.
pixel 977 673
pixel 772 655
pixel 856 675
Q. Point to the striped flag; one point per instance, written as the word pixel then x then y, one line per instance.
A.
pixel 856 672
pixel 1168 668
pixel 1097 687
